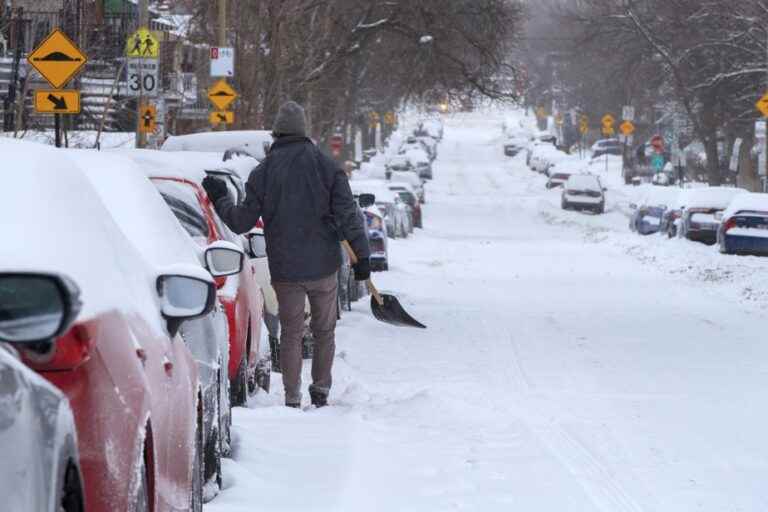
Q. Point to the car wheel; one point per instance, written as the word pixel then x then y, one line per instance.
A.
pixel 141 499
pixel 239 388
pixel 72 493
pixel 196 498
pixel 564 205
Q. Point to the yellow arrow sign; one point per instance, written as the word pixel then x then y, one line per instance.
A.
pixel 762 105
pixel 541 113
pixel 608 120
pixel 389 118
pixel 57 59
pixel 608 131
pixel 142 44
pixel 627 128
pixel 584 128
pixel 148 118
pixel 217 118
pixel 222 95
pixel 57 102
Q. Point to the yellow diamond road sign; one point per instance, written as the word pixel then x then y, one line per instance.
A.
pixel 57 59
pixel 627 128
pixel 222 95
pixel 608 120
pixel 762 105
pixel 142 44
pixel 57 102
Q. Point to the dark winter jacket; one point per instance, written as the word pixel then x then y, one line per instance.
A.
pixel 307 206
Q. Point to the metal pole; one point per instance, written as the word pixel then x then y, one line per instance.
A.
pixel 141 138
pixel 57 121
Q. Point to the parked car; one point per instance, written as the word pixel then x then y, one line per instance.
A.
pixel 408 195
pixel 744 227
pixel 148 223
pixel 514 145
pixel 419 144
pixel 38 438
pixel 130 379
pixel 432 126
pixel 544 157
pixel 377 238
pixel 704 208
pixel 251 142
pixel 652 204
pixel 394 209
pixel 421 163
pixel 412 179
pixel 562 170
pixel 430 144
pixel 584 192
pixel 540 139
pixel 607 146
pixel 180 183
pixel 670 221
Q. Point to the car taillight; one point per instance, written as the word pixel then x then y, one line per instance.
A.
pixel 68 352
pixel 730 224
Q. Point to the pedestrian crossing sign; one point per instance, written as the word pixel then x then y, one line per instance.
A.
pixel 142 44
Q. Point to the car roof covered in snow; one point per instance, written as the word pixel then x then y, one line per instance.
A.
pixel 189 165
pixel 583 182
pixel 652 195
pixel 218 142
pixel 747 202
pixel 56 222
pixel 139 210
pixel 378 188
pixel 709 197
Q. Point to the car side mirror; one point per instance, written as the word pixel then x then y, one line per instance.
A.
pixel 36 308
pixel 185 293
pixel 366 200
pixel 605 189
pixel 224 258
pixel 632 206
pixel 257 245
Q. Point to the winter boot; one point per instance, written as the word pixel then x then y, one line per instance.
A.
pixel 319 399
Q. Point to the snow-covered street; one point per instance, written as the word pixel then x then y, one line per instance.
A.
pixel 562 370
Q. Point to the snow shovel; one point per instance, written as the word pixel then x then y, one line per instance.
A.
pixel 386 308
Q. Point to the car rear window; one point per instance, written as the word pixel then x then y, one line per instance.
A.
pixel 185 206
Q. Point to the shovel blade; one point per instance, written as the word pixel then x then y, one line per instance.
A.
pixel 392 312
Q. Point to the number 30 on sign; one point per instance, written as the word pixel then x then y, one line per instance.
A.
pixel 141 78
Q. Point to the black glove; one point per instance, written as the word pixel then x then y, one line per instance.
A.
pixel 215 188
pixel 362 269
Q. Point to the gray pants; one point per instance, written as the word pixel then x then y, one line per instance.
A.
pixel 323 304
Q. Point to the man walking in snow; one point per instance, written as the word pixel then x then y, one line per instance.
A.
pixel 307 207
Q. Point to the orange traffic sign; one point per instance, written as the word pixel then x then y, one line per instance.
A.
pixel 559 119
pixel 57 59
pixel 217 118
pixel 608 121
pixel 57 102
pixel 584 128
pixel 627 128
pixel 541 113
pixel 222 95
pixel 390 118
pixel 608 131
pixel 762 105
pixel 148 118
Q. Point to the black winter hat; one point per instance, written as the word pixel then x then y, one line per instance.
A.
pixel 290 120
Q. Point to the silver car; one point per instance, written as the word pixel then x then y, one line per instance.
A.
pixel 40 468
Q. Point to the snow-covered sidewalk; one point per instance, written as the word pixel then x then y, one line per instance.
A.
pixel 560 371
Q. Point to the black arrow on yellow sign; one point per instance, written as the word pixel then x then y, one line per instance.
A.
pixel 59 103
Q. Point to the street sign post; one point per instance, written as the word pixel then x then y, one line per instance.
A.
pixel 57 59
pixel 142 44
pixel 218 118
pixel 222 95
pixel 762 145
pixel 222 62
pixel 148 118
pixel 608 120
pixel 57 101
pixel 628 113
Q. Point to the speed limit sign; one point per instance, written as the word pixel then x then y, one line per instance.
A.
pixel 142 78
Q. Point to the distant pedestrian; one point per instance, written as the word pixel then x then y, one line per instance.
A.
pixel 307 206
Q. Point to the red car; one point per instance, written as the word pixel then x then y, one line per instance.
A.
pixel 240 294
pixel 130 379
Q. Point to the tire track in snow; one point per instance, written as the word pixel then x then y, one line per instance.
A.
pixel 598 482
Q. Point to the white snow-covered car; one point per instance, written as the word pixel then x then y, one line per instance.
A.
pixel 564 169
pixel 584 192
pixel 413 180
pixel 744 227
pixel 545 156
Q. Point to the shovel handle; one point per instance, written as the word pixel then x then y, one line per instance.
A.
pixel 371 287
